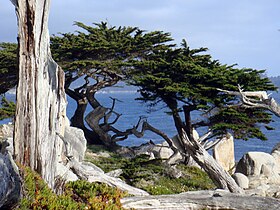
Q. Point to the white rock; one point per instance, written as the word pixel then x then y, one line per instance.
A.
pixel 115 173
pixel 6 130
pixel 223 153
pixel 276 154
pixel 251 164
pixel 75 143
pixel 165 152
pixel 241 180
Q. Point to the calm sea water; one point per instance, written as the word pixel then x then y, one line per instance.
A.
pixel 131 110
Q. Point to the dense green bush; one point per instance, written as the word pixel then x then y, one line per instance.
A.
pixel 77 195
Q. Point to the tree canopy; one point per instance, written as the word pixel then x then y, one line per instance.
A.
pixel 187 80
pixel 100 56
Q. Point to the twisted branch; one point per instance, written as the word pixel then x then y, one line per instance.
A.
pixel 255 99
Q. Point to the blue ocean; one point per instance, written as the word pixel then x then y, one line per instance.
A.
pixel 131 110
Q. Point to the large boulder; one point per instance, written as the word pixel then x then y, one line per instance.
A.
pixel 162 151
pixel 10 184
pixel 6 131
pixel 257 163
pixel 241 180
pixel 276 154
pixel 223 152
pixel 75 143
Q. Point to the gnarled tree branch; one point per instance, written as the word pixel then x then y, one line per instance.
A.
pixel 255 99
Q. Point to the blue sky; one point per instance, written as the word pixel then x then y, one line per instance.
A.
pixel 245 32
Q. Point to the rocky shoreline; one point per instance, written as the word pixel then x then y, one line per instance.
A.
pixel 257 173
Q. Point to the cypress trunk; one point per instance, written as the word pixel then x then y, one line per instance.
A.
pixel 41 102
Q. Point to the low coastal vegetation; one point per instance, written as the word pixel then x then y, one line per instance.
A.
pixel 153 176
pixel 76 195
pixel 150 175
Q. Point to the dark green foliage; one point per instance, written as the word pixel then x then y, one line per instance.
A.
pixel 187 80
pixel 8 66
pixel 96 57
pixel 184 79
pixel 103 50
pixel 77 195
pixel 8 77
pixel 7 109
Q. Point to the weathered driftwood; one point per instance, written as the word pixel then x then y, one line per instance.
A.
pixel 91 173
pixel 41 104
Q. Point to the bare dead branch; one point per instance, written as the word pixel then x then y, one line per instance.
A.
pixel 256 99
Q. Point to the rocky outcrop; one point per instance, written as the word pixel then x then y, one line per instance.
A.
pixel 6 131
pixel 276 153
pixel 256 163
pixel 218 199
pixel 262 171
pixel 10 184
pixel 76 143
pixel 73 166
pixel 223 153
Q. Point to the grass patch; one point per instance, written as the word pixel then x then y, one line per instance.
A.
pixel 153 175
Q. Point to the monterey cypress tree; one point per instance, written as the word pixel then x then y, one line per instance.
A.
pixel 187 80
pixel 94 58
pixel 101 56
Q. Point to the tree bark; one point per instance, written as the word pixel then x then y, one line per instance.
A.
pixel 41 102
pixel 219 176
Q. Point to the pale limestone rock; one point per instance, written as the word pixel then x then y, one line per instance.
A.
pixel 218 199
pixel 65 173
pixel 252 162
pixel 241 180
pixel 276 154
pixel 164 151
pixel 75 143
pixel 115 173
pixel 10 184
pixel 223 152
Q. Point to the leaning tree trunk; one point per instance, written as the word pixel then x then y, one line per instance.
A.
pixel 41 103
pixel 192 147
pixel 216 172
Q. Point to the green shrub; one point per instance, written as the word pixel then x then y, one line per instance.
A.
pixel 95 195
pixel 77 195
pixel 152 176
